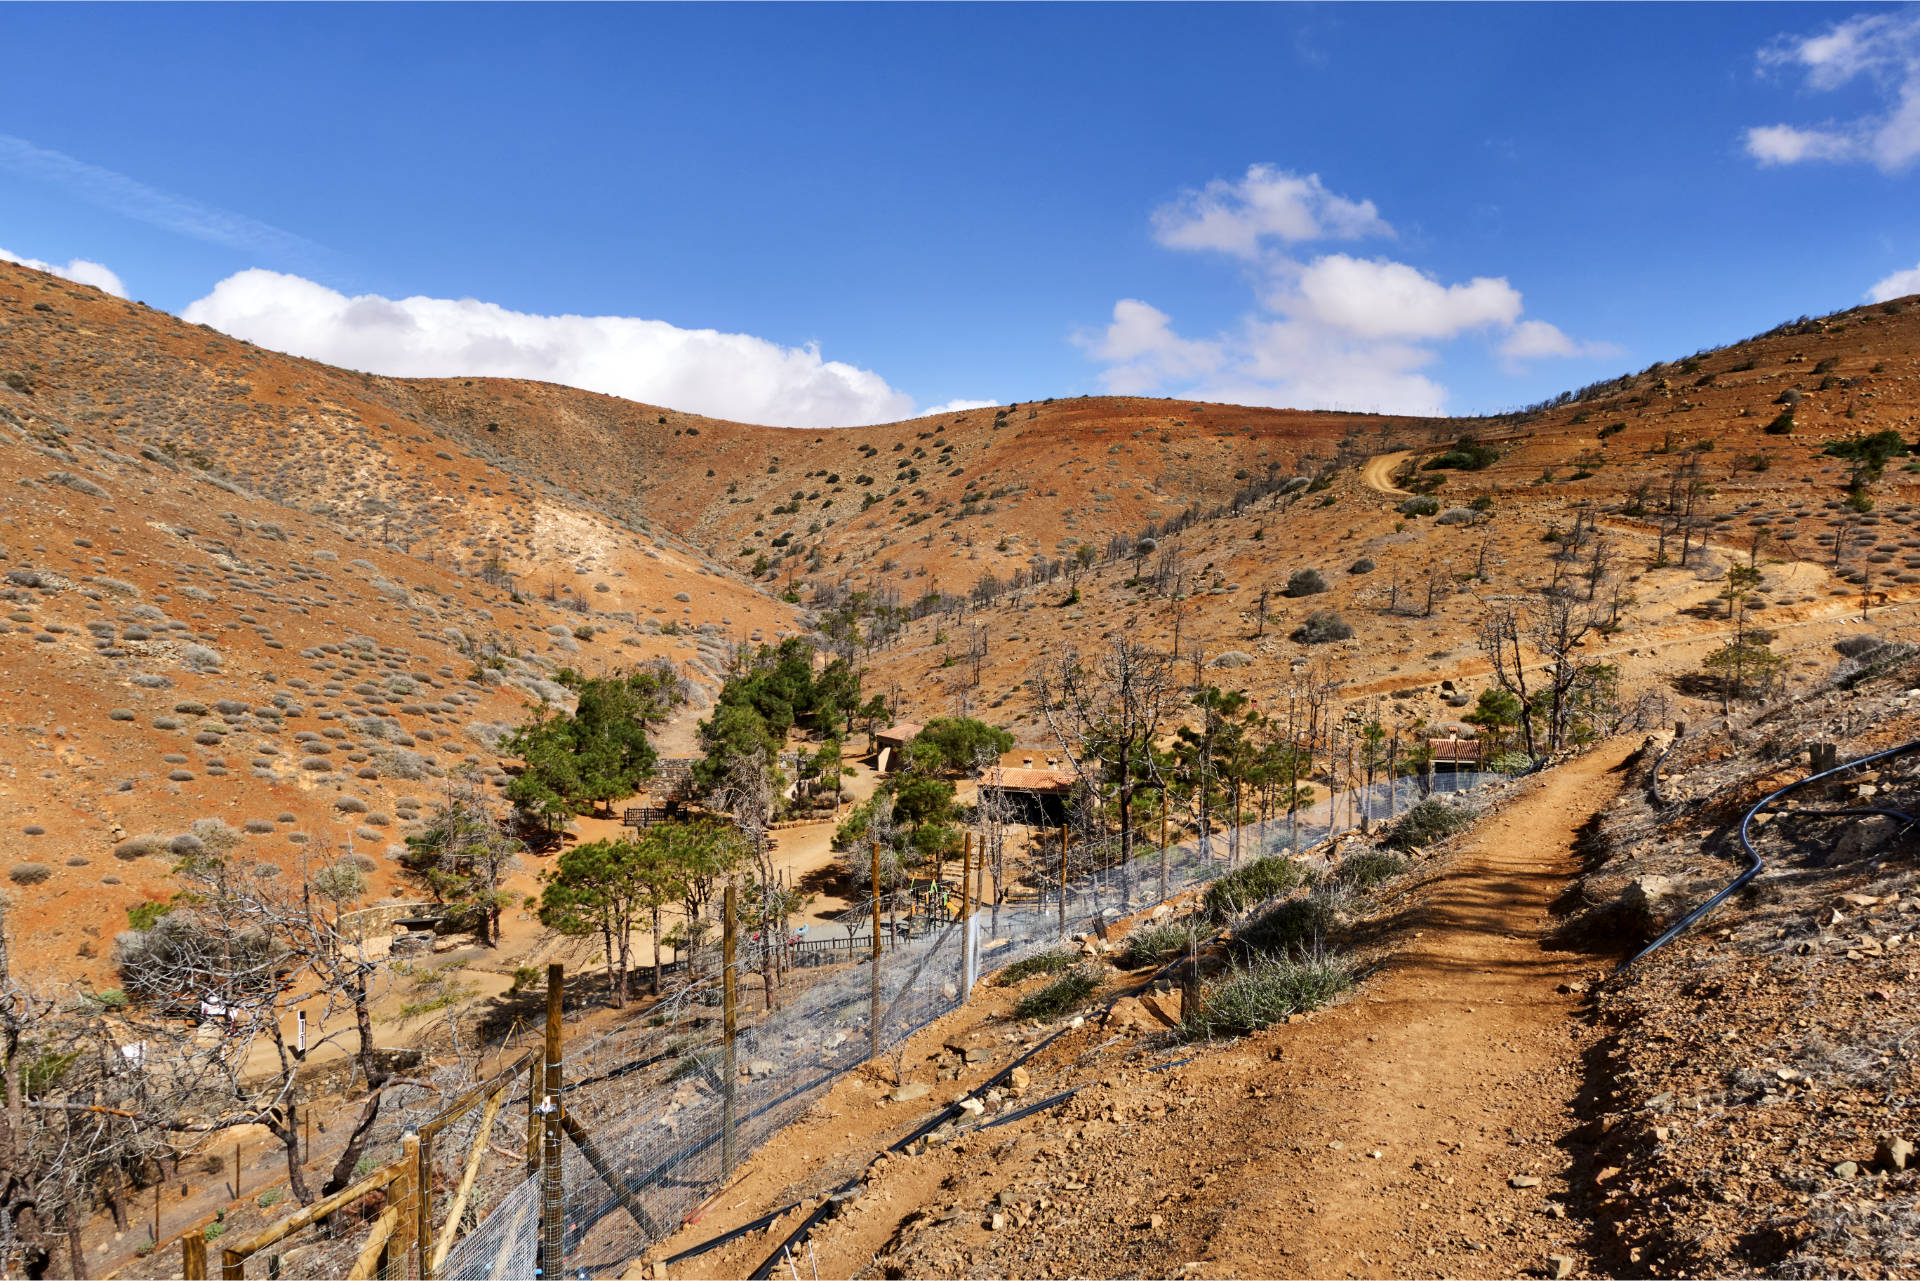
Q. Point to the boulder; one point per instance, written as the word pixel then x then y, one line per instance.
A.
pixel 910 1091
pixel 1651 902
pixel 1864 838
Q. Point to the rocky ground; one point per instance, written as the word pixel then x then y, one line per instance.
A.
pixel 1754 1084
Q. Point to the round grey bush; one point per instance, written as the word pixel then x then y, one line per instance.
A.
pixel 165 722
pixel 186 843
pixel 379 819
pixel 188 707
pixel 34 829
pixel 180 776
pixel 200 658
pixel 350 805
pixel 150 680
pixel 120 714
pixel 28 873
pixel 1233 658
pixel 1420 505
pixel 78 861
pixel 317 764
pixel 1364 565
pixel 139 847
pixel 207 738
pixel 1456 516
pixel 1306 582
pixel 366 833
pixel 257 825
pixel 1321 626
pixel 286 818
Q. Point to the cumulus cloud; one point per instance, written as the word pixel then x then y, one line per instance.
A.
pixel 1240 217
pixel 1880 48
pixel 1330 331
pixel 1142 352
pixel 1378 298
pixel 1898 285
pixel 723 375
pixel 1537 340
pixel 81 271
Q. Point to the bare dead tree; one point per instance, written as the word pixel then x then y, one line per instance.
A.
pixel 1106 716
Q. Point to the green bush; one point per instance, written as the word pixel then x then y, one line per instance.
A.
pixel 1253 884
pixel 1298 925
pixel 1467 455
pixel 1321 626
pixel 141 916
pixel 1781 426
pixel 269 1198
pixel 1059 996
pixel 1422 505
pixel 1265 992
pixel 1366 870
pixel 1427 822
pixel 1026 967
pixel 1157 944
pixel 1306 582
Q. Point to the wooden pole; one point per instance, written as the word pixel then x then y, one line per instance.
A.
pixel 729 1005
pixel 423 1189
pixel 966 914
pixel 407 1191
pixel 1163 843
pixel 458 1206
pixel 533 1115
pixel 1063 878
pixel 873 1013
pixel 193 1256
pixel 552 1203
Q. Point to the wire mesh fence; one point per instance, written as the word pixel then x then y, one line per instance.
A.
pixel 666 1128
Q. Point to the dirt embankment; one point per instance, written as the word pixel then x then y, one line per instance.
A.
pixel 1423 1127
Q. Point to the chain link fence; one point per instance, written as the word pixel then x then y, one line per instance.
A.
pixel 668 1125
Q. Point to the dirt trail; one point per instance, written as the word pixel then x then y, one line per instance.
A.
pixel 1454 1071
pixel 1377 472
pixel 1379 1138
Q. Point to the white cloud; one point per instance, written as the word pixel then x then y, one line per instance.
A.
pixel 736 376
pixel 1537 340
pixel 1378 298
pixel 1883 48
pixel 957 407
pixel 1332 331
pixel 1268 204
pixel 1898 285
pixel 80 271
pixel 1142 352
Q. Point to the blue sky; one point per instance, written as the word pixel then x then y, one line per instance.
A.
pixel 877 209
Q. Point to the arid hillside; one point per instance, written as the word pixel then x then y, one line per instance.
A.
pixel 221 560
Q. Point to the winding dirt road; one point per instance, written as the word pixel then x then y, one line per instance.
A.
pixel 1377 473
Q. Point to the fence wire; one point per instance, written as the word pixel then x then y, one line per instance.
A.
pixel 660 1133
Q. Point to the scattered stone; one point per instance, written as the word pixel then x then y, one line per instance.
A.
pixel 910 1091
pixel 1893 1154
pixel 1847 1169
pixel 1523 1181
pixel 1017 1082
pixel 1560 1266
pixel 972 1107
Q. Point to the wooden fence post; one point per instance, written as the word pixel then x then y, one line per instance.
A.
pixel 873 1011
pixel 552 1187
pixel 1063 879
pixel 193 1256
pixel 729 1005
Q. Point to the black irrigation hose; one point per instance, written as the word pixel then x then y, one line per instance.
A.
pixel 952 1110
pixel 1757 864
pixel 765 1220
pixel 1031 1108
pixel 799 1234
